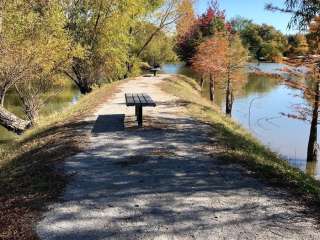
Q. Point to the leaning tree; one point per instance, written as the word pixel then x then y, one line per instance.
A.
pixel 305 16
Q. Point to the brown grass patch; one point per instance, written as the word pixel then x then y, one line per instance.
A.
pixel 30 176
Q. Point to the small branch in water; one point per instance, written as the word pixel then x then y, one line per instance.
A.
pixel 250 106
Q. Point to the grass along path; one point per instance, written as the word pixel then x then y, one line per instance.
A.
pixel 234 144
pixel 167 180
pixel 28 177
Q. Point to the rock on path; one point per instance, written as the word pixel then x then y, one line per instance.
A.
pixel 160 182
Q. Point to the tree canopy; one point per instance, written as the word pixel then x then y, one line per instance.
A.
pixel 263 41
pixel 202 28
pixel 88 41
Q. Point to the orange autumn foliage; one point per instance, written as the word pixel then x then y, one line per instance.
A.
pixel 211 56
pixel 187 19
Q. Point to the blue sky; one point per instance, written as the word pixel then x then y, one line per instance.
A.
pixel 252 9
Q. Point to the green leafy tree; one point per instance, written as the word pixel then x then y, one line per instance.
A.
pixel 298 45
pixel 252 39
pixel 101 29
pixel 239 23
pixel 264 41
pixel 34 46
pixel 159 50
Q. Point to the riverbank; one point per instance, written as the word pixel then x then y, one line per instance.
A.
pixel 304 61
pixel 165 180
pixel 178 175
pixel 236 145
pixel 28 177
pixel 255 109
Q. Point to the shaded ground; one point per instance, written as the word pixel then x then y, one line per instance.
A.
pixel 28 177
pixel 161 182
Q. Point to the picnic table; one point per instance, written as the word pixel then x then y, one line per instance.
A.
pixel 139 100
pixel 154 70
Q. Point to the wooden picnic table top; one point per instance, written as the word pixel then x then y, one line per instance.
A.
pixel 139 99
pixel 155 69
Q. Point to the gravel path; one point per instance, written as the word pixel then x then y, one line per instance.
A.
pixel 160 182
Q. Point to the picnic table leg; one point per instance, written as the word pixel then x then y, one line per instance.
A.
pixel 137 111
pixel 139 117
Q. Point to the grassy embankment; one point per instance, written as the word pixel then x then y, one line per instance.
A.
pixel 236 145
pixel 28 178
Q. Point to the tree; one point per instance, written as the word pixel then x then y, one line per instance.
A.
pixel 187 19
pixel 104 30
pixel 313 37
pixel 239 24
pixel 263 41
pixel 298 45
pixel 207 25
pixel 251 39
pixel 237 56
pixel 312 143
pixel 308 111
pixel 159 50
pixel 305 13
pixel 211 59
pixel 162 18
pixel 34 45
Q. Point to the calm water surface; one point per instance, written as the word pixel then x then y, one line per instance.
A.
pixel 268 98
pixel 62 99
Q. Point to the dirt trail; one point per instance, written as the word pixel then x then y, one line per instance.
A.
pixel 160 182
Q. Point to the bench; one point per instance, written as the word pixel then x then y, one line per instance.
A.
pixel 155 70
pixel 139 100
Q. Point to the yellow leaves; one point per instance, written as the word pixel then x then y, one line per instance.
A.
pixel 187 19
pixel 36 44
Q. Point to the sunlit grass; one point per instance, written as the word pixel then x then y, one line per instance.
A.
pixel 237 145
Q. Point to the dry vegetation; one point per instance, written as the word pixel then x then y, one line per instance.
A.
pixel 236 145
pixel 29 177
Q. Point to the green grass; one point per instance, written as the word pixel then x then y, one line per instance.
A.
pixel 28 177
pixel 236 145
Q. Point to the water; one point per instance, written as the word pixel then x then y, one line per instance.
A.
pixel 58 102
pixel 268 98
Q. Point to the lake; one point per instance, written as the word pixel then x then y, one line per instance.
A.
pixel 267 96
pixel 58 102
pixel 258 105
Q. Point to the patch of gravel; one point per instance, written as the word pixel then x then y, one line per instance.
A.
pixel 159 182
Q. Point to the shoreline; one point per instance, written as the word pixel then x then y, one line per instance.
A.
pixel 32 191
pixel 241 147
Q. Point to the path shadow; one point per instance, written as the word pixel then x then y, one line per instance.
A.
pixel 162 179
pixel 109 123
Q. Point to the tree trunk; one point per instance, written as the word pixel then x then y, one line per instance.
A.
pixel 129 69
pixel 80 78
pixel 148 41
pixel 2 95
pixel 211 88
pixel 32 113
pixel 12 122
pixel 229 97
pixel 312 144
pixel 84 89
pixel 201 82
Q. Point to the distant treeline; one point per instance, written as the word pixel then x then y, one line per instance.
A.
pixel 265 42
